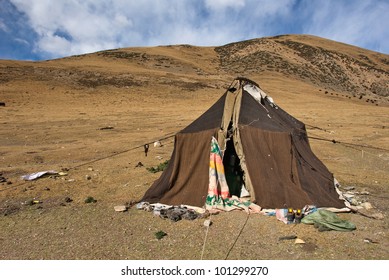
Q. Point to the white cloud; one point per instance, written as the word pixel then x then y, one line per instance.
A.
pixel 78 26
pixel 363 24
pixel 3 26
pixel 66 28
pixel 223 4
pixel 22 41
pixel 55 44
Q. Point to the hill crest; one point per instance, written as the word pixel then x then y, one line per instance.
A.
pixel 313 60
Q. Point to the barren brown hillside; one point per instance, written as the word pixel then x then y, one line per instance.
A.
pixel 90 115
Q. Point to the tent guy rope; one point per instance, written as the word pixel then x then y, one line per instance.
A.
pixel 167 136
pixel 171 135
pixel 237 237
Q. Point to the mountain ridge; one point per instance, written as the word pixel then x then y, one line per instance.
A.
pixel 320 62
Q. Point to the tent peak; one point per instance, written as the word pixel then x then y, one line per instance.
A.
pixel 243 79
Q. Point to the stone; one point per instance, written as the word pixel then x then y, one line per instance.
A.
pixel 207 223
pixel 157 144
pixel 367 205
pixel 120 208
pixel 378 216
pixel 353 201
pixel 299 241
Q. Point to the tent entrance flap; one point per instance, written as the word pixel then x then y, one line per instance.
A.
pixel 233 171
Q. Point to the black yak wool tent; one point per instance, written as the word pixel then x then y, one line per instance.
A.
pixel 245 145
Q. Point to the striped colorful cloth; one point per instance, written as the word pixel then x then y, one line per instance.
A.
pixel 218 193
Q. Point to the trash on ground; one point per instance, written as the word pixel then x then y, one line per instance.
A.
pixel 173 213
pixel 294 216
pixel 288 237
pixel 31 202
pixel 368 240
pixel 41 174
pixel 348 188
pixel 106 128
pixel 4 180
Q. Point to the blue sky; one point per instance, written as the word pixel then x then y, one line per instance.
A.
pixel 47 29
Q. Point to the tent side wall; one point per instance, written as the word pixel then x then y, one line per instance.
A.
pixel 317 181
pixel 283 169
pixel 280 175
pixel 186 179
pixel 272 168
pixel 162 184
pixel 190 176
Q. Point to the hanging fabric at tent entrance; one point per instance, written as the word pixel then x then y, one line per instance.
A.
pixel 218 192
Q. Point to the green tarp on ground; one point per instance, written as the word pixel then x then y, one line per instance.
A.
pixel 326 220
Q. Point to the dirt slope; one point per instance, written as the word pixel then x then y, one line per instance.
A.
pixel 90 115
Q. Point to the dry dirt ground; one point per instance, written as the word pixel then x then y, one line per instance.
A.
pixel 46 126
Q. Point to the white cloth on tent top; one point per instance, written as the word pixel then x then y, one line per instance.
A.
pixel 258 94
pixel 255 92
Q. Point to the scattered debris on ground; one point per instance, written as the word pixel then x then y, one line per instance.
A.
pixel 106 128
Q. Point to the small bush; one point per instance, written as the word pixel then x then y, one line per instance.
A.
pixel 160 234
pixel 161 167
pixel 90 199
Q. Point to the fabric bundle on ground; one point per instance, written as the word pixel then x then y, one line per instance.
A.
pixel 325 220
